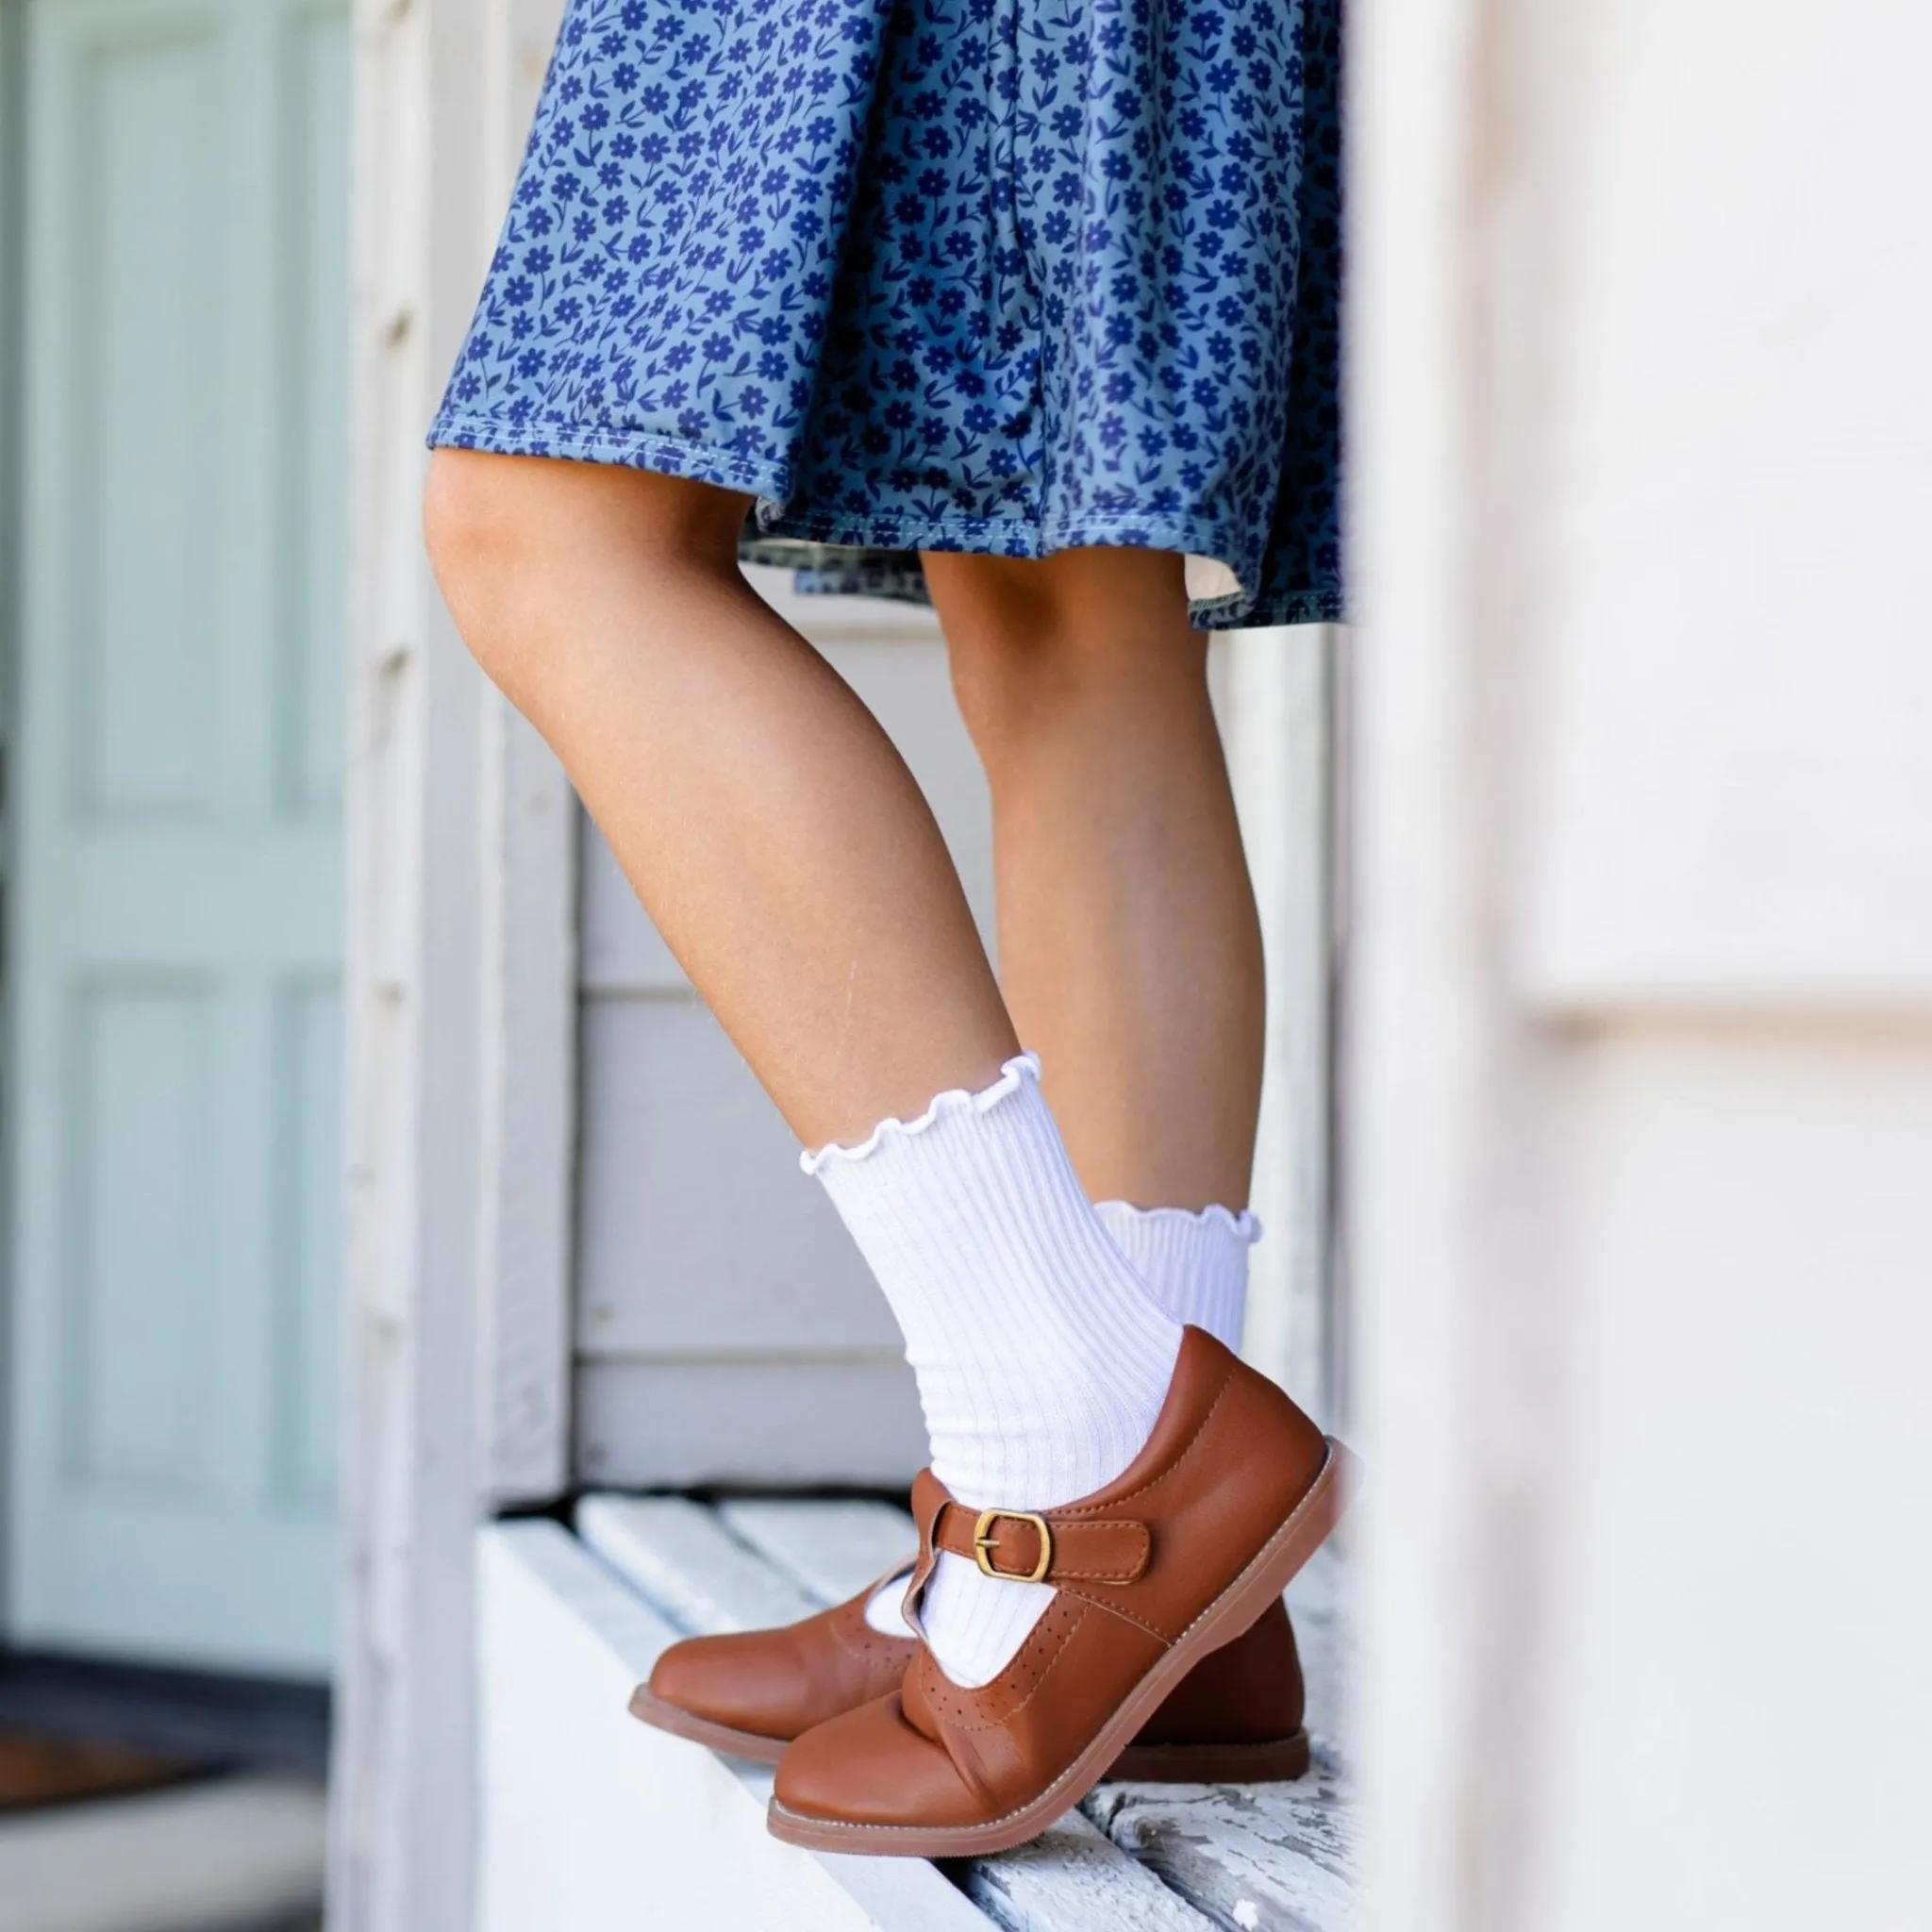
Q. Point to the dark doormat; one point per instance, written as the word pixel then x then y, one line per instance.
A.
pixel 208 1718
pixel 36 1770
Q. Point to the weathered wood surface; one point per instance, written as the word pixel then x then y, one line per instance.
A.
pixel 1136 1857
pixel 527 1124
pixel 683 1558
pixel 830 1549
pixel 1266 1857
pixel 1072 1878
pixel 593 1822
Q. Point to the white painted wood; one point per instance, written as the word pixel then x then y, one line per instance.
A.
pixel 529 1123
pixel 701 1236
pixel 446 847
pixel 1725 784
pixel 1641 1086
pixel 1266 1857
pixel 1275 713
pixel 1074 1878
pixel 678 1554
pixel 687 1560
pixel 689 1421
pixel 1275 1857
pixel 530 967
pixel 830 1549
pixel 1423 1017
pixel 594 1821
pixel 1758 1196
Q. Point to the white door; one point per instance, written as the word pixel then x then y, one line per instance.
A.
pixel 175 938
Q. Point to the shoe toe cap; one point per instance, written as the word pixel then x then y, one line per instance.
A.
pixel 714 1677
pixel 871 1766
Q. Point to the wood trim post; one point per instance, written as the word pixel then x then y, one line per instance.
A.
pixel 530 992
pixel 1276 720
pixel 460 989
pixel 1441 1072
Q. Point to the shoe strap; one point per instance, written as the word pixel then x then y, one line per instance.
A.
pixel 1028 1546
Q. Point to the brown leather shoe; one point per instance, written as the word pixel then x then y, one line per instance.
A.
pixel 1236 1718
pixel 1233 1493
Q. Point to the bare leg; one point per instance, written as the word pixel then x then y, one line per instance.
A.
pixel 1130 951
pixel 765 820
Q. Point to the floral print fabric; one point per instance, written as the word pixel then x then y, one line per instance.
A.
pixel 1007 275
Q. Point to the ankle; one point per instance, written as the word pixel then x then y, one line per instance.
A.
pixel 1194 1260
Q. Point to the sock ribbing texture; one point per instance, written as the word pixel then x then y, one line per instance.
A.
pixel 1042 1359
pixel 1195 1265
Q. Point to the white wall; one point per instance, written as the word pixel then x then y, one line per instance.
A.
pixel 1641 1074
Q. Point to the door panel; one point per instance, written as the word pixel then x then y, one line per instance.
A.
pixel 176 936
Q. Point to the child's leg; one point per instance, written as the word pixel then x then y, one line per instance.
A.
pixel 782 848
pixel 767 823
pixel 1130 951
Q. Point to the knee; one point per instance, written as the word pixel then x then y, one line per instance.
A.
pixel 515 541
pixel 1028 677
pixel 1008 682
pixel 478 515
pixel 475 513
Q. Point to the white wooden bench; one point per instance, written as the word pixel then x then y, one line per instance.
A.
pixel 592 1821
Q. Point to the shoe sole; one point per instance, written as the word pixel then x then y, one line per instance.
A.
pixel 701 1730
pixel 1273 1761
pixel 1267 1575
pixel 1277 1761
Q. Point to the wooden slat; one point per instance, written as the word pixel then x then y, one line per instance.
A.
pixel 685 1422
pixel 699 1236
pixel 685 1561
pixel 597 1822
pixel 1074 1879
pixel 1163 1858
pixel 530 1106
pixel 1267 1857
pixel 831 1550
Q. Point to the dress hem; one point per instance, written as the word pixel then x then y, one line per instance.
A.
pixel 774 528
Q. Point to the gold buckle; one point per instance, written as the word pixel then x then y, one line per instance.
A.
pixel 983 1542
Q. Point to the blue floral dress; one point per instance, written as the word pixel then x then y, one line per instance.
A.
pixel 999 275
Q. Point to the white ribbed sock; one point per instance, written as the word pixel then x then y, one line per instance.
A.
pixel 1043 1360
pixel 1196 1267
pixel 1195 1263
